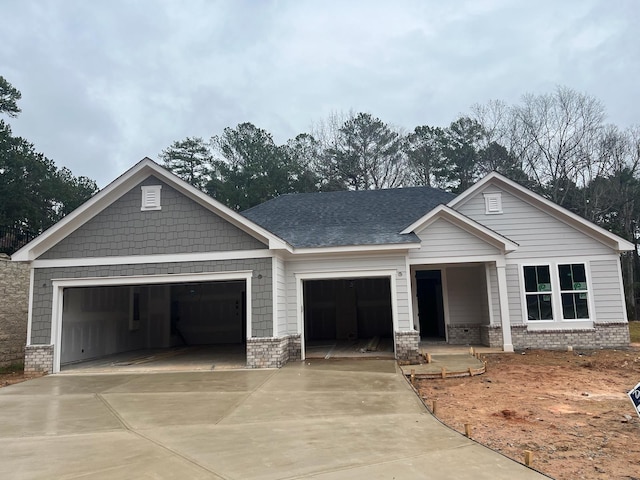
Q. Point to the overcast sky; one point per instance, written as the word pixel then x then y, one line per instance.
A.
pixel 106 83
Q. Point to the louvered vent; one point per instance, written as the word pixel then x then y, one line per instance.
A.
pixel 151 197
pixel 493 203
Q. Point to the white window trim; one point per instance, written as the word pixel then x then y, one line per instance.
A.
pixel 488 199
pixel 558 321
pixel 147 191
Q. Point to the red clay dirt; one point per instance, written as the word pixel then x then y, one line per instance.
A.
pixel 570 409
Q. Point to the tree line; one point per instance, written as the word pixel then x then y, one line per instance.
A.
pixel 557 144
pixel 34 193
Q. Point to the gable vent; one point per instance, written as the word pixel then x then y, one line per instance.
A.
pixel 492 203
pixel 151 197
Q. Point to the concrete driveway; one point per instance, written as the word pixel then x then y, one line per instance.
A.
pixel 321 419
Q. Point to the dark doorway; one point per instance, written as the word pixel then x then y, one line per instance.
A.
pixel 347 309
pixel 430 304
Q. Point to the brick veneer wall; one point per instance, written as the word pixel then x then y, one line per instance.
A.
pixel 273 352
pixel 491 335
pixel 407 346
pixel 603 335
pixel 464 334
pixel 38 359
pixel 14 310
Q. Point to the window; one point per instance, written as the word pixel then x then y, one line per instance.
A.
pixel 551 289
pixel 538 292
pixel 573 290
pixel 151 197
pixel 492 203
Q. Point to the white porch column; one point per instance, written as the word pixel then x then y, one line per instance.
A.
pixel 507 344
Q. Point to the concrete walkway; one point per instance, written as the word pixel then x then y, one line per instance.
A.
pixel 356 419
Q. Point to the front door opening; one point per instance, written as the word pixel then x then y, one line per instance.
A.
pixel 430 304
pixel 352 314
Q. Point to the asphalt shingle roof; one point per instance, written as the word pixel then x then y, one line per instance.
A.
pixel 331 219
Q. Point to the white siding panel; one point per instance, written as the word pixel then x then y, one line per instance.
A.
pixel 467 295
pixel 444 239
pixel 280 297
pixel 607 295
pixel 538 233
pixel 515 299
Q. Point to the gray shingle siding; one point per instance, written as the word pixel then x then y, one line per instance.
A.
pixel 181 226
pixel 262 316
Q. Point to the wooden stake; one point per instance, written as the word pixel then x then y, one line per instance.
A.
pixel 428 358
pixel 470 350
pixel 467 430
pixel 413 376
pixel 444 372
pixel 528 457
pixel 434 409
pixel 470 372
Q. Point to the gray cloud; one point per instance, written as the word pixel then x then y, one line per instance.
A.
pixel 105 83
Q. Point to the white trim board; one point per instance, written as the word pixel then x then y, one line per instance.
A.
pixel 160 258
pixel 60 284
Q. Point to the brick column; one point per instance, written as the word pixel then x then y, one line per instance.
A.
pixel 407 345
pixel 38 359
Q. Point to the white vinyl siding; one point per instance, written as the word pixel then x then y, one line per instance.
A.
pixel 537 233
pixel 606 290
pixel 280 297
pixel 467 296
pixel 444 239
pixel 513 293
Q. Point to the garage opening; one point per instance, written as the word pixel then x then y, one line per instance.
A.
pixel 99 322
pixel 347 317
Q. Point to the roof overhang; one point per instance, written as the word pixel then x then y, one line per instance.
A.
pixel 560 213
pixel 375 248
pixel 121 185
pixel 461 221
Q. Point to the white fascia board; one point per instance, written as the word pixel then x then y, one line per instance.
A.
pixel 356 249
pixel 576 221
pixel 119 187
pixel 461 221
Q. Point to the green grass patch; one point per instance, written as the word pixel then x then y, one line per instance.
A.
pixel 12 368
pixel 634 331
